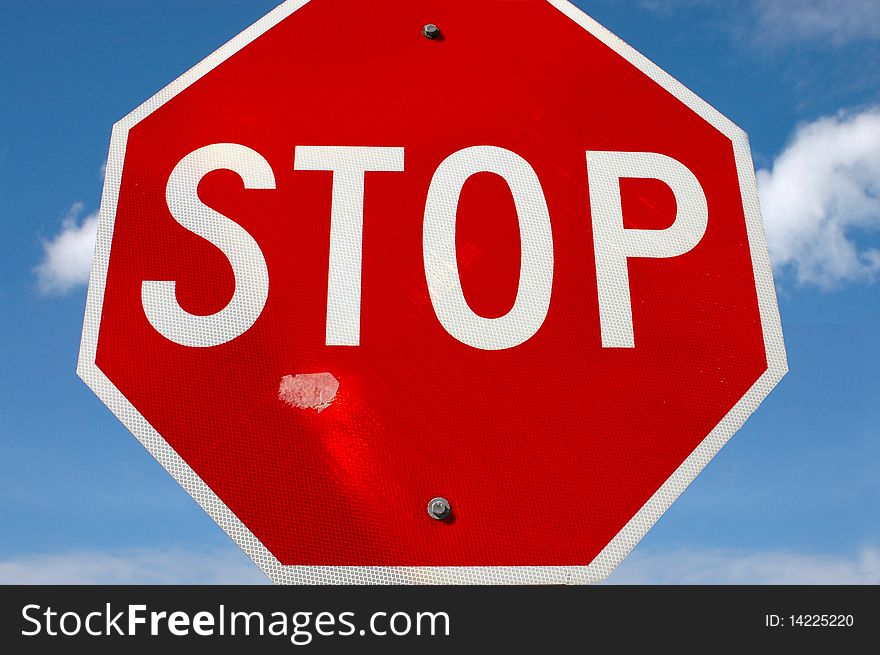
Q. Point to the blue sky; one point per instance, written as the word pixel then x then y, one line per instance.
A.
pixel 794 497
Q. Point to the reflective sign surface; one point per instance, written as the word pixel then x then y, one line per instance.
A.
pixel 344 269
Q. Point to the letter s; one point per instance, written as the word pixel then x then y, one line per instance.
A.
pixel 24 614
pixel 248 264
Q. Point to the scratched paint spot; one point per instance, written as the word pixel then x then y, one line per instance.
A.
pixel 308 390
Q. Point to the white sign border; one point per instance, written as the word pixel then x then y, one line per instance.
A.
pixel 635 529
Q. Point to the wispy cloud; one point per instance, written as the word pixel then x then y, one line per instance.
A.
pixel 143 566
pixel 820 194
pixel 772 23
pixel 822 21
pixel 719 566
pixel 67 257
pixel 678 566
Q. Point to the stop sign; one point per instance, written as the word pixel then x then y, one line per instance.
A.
pixel 469 302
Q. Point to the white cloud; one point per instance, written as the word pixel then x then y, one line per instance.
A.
pixel 693 566
pixel 162 566
pixel 820 195
pixel 67 257
pixel 834 21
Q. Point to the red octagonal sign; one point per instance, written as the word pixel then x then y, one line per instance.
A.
pixel 404 303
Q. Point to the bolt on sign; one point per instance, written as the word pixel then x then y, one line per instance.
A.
pixel 459 291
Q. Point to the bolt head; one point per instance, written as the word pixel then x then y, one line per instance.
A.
pixel 439 508
pixel 430 31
